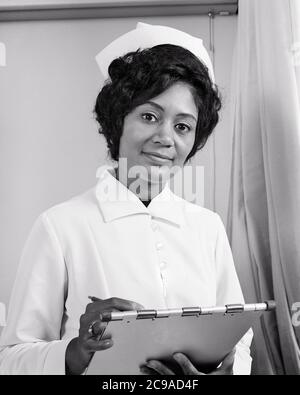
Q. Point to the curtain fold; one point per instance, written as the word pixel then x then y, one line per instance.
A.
pixel 264 206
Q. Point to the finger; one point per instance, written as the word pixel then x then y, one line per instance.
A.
pixel 98 328
pixel 228 360
pixel 186 365
pixel 94 299
pixel 113 304
pixel 93 345
pixel 96 331
pixel 89 318
pixel 145 370
pixel 226 367
pixel 91 327
pixel 159 368
pixel 124 305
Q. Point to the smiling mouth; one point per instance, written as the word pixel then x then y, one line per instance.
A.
pixel 157 158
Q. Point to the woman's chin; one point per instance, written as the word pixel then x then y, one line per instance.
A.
pixel 156 174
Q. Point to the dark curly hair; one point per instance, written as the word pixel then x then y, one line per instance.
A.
pixel 140 76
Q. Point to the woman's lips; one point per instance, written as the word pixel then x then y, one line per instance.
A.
pixel 156 158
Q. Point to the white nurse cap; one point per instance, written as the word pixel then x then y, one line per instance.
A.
pixel 147 36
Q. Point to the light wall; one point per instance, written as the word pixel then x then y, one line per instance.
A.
pixel 49 146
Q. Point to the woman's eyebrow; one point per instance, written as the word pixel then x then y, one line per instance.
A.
pixel 187 115
pixel 182 114
pixel 152 103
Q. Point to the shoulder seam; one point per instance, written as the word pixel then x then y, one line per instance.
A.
pixel 51 230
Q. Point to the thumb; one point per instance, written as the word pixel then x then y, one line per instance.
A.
pixel 103 345
pixel 228 360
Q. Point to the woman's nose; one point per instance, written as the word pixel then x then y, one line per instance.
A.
pixel 164 135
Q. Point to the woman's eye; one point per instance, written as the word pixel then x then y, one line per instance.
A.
pixel 149 117
pixel 182 127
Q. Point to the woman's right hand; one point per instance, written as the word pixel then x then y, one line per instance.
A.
pixel 81 349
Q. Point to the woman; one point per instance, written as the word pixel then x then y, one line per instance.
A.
pixel 129 243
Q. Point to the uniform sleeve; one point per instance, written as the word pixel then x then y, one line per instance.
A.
pixel 229 291
pixel 30 343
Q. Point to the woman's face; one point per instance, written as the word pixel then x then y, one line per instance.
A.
pixel 160 133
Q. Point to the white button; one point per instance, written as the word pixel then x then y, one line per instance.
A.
pixel 163 265
pixel 159 246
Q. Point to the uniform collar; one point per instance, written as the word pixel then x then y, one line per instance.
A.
pixel 116 201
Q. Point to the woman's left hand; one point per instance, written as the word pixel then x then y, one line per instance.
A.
pixel 157 367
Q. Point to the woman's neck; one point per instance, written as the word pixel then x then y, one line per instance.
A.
pixel 144 189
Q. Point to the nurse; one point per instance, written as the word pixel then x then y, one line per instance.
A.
pixel 129 243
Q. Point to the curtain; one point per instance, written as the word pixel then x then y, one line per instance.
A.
pixel 264 207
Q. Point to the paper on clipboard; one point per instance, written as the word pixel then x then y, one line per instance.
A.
pixel 206 337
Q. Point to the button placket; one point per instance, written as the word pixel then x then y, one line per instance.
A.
pixel 154 226
pixel 164 285
pixel 162 270
pixel 159 246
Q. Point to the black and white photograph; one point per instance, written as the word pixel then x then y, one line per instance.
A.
pixel 149 190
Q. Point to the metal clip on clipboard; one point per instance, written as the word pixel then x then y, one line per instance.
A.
pixel 240 308
pixel 142 314
pixel 190 311
pixel 196 311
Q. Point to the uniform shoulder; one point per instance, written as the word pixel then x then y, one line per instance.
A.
pixel 201 218
pixel 75 207
pixel 195 209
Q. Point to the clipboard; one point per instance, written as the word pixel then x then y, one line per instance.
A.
pixel 205 334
